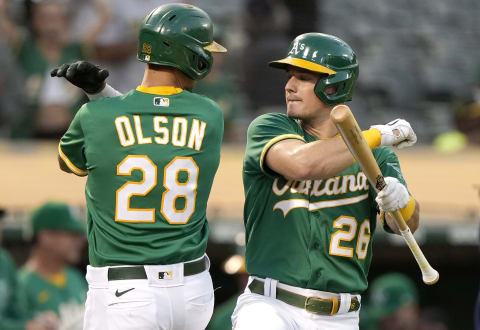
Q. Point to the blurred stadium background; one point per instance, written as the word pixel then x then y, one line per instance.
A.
pixel 418 60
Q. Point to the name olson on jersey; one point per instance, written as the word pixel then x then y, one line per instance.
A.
pixel 336 186
pixel 181 134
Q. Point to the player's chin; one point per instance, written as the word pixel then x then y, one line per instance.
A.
pixel 294 109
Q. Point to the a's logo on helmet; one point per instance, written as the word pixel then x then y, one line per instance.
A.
pixel 146 48
pixel 296 48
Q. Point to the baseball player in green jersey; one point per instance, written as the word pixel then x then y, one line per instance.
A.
pixel 309 211
pixel 47 282
pixel 150 156
pixel 13 309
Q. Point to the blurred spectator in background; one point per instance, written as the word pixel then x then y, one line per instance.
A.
pixel 11 90
pixel 432 318
pixel 222 315
pixel 222 88
pixel 116 45
pixel 51 102
pixel 466 132
pixel 12 311
pixel 46 280
pixel 266 23
pixel 392 304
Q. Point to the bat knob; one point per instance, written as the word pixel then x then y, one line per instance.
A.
pixel 430 276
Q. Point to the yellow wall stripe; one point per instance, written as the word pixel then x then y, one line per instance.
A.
pixel 71 166
pixel 275 140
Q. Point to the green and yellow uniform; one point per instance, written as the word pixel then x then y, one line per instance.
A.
pixel 151 156
pixel 63 294
pixel 313 234
pixel 12 310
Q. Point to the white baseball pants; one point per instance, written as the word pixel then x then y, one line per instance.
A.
pixel 175 303
pixel 264 312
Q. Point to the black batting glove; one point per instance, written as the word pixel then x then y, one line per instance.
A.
pixel 84 75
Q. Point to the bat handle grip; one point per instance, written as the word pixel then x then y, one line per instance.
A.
pixel 429 275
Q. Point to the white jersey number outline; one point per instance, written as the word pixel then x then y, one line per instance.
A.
pixel 173 189
pixel 363 239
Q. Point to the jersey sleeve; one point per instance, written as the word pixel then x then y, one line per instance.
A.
pixel 262 134
pixel 72 146
pixel 390 166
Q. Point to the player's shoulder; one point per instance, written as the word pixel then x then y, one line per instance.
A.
pixel 25 276
pixel 273 119
pixel 203 101
pixel 108 101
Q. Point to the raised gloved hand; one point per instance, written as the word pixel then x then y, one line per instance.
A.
pixel 397 133
pixel 394 196
pixel 84 75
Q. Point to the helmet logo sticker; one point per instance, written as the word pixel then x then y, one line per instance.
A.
pixel 296 48
pixel 146 48
pixel 161 101
pixel 147 58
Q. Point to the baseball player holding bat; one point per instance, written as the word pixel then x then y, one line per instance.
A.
pixel 310 212
pixel 150 156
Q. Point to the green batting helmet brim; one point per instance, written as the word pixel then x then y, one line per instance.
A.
pixel 299 63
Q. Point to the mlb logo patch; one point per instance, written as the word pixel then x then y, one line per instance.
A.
pixel 165 275
pixel 147 57
pixel 161 102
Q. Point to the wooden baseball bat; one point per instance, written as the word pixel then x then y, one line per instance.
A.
pixel 348 127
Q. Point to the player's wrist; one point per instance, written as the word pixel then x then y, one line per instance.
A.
pixel 373 137
pixel 408 210
pixel 95 89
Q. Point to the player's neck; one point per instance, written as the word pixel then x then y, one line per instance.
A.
pixel 43 263
pixel 167 77
pixel 321 127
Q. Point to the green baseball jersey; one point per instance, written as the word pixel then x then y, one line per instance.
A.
pixel 313 234
pixel 151 156
pixel 63 294
pixel 12 308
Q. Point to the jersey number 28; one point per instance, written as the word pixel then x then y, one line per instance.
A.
pixel 173 189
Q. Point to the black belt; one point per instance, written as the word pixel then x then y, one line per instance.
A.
pixel 322 306
pixel 138 272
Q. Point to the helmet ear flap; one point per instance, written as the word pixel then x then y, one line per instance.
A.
pixel 345 83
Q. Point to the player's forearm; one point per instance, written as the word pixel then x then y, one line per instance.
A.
pixel 62 165
pixel 108 91
pixel 320 159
